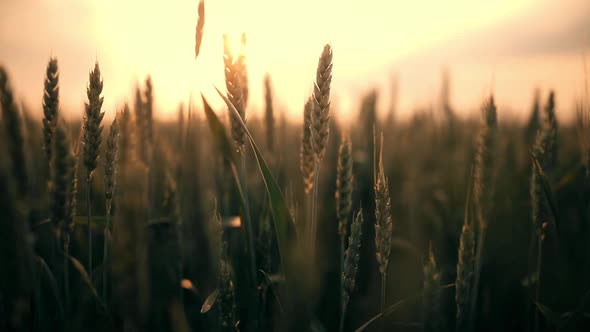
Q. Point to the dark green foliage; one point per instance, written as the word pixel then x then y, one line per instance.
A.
pixel 14 137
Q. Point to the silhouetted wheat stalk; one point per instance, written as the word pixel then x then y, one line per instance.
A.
pixel 465 268
pixel 110 170
pixel 351 264
pixel 343 194
pixel 483 179
pixel 50 105
pixel 320 125
pixel 62 172
pixel 199 28
pixel 306 162
pixel 92 140
pixel 383 220
pixel 545 152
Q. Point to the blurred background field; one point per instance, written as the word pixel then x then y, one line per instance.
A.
pixel 157 218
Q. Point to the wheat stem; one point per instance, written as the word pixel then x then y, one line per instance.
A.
pixel 383 291
pixel 538 283
pixel 107 227
pixel 314 205
pixel 89 221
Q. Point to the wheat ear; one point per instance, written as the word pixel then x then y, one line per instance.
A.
pixel 50 105
pixel 92 140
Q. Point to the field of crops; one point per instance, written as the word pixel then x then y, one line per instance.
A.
pixel 225 222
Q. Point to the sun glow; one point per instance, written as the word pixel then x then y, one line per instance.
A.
pixel 134 38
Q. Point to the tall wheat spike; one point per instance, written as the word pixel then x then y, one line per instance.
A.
pixel 320 125
pixel 551 126
pixel 125 134
pixel 534 121
pixel 306 157
pixel 383 222
pixel 545 151
pixel 483 180
pixel 140 126
pixel 50 105
pixel 233 83
pixel 320 115
pixel 243 69
pixel 484 162
pixel 149 109
pixel 92 140
pixel 199 28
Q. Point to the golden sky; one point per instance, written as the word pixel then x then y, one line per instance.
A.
pixel 508 46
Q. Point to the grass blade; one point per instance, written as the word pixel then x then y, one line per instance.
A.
pixel 44 269
pixel 284 226
pixel 86 278
pixel 394 307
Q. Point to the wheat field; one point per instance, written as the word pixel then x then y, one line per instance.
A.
pixel 222 221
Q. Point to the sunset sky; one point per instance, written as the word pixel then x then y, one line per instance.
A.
pixel 506 46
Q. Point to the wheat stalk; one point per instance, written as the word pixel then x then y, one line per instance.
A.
pixel 92 140
pixel 545 150
pixel 534 121
pixel 383 222
pixel 61 176
pixel 140 126
pixel 306 157
pixel 69 222
pixel 199 28
pixel 344 180
pixel 320 125
pixel 125 135
pixel 320 115
pixel 550 126
pixel 351 263
pixel 110 170
pixel 483 179
pixel 465 268
pixel 233 83
pixel 50 105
